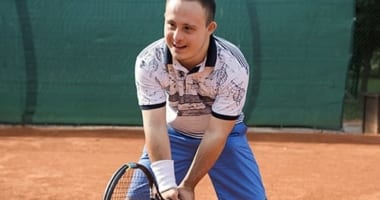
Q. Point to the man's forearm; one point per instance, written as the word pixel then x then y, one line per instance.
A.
pixel 156 135
pixel 209 150
pixel 158 147
pixel 157 144
pixel 206 156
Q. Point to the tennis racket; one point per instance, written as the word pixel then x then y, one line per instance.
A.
pixel 132 181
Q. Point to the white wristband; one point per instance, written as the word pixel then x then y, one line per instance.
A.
pixel 164 172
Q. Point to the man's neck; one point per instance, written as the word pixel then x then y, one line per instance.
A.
pixel 199 58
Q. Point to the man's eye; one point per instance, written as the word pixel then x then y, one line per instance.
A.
pixel 188 28
pixel 169 24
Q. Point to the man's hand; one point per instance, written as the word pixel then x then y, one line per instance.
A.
pixel 171 194
pixel 185 193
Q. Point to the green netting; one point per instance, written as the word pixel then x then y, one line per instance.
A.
pixel 299 52
pixel 71 62
pixel 12 65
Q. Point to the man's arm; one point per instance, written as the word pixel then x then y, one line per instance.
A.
pixel 156 134
pixel 158 147
pixel 209 150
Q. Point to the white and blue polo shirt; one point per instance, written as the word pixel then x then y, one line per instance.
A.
pixel 217 86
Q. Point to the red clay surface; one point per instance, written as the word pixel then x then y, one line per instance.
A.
pixel 67 164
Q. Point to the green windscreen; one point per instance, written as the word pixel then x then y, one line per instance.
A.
pixel 299 53
pixel 72 62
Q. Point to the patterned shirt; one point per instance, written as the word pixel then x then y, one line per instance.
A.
pixel 217 86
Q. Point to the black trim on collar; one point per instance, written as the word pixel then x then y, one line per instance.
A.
pixel 168 57
pixel 194 70
pixel 211 54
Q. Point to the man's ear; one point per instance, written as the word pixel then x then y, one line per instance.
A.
pixel 212 27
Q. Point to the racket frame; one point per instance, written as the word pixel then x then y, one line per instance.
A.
pixel 154 192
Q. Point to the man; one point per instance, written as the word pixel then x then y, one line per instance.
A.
pixel 204 80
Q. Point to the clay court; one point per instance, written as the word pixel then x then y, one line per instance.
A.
pixel 39 163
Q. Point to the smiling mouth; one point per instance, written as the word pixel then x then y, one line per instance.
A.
pixel 179 47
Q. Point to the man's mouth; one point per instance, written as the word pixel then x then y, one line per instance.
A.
pixel 179 47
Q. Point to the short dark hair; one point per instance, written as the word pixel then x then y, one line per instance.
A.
pixel 209 6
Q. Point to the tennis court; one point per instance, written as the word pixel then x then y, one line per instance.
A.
pixel 65 164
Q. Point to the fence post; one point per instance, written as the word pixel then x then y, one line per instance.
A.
pixel 371 115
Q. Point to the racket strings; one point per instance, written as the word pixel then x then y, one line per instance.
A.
pixel 132 185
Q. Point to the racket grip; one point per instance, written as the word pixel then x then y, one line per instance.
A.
pixel 163 170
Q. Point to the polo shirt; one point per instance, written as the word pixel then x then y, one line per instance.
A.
pixel 217 86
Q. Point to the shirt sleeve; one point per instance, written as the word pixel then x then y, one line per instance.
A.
pixel 232 91
pixel 150 93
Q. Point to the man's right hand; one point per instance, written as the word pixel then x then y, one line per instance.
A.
pixel 185 193
pixel 171 194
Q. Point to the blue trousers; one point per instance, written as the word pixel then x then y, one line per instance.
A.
pixel 235 175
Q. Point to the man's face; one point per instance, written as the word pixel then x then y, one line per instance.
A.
pixel 186 32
